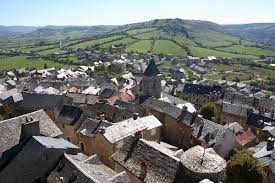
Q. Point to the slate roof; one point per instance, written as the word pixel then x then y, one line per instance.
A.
pixel 238 98
pixel 69 115
pixel 54 143
pixel 128 127
pixel 9 93
pixel 235 109
pixel 161 167
pixel 180 115
pixel 264 156
pixel 209 132
pixel 81 98
pixel 201 89
pixel 258 120
pixel 203 161
pixel 35 101
pixel 11 128
pixel 267 103
pixel 234 127
pixel 151 70
pixel 173 100
pixel 91 127
pixel 89 169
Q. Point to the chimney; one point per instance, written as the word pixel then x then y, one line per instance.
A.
pixel 270 144
pixel 143 170
pixel 138 134
pixel 30 128
pixel 102 117
pixel 135 116
pixel 102 130
pixel 184 108
pixel 272 113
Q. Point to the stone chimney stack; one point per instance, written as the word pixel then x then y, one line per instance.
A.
pixel 143 170
pixel 270 144
pixel 102 130
pixel 135 116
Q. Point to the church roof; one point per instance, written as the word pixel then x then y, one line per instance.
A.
pixel 152 69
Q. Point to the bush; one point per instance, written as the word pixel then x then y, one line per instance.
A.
pixel 115 68
pixel 243 167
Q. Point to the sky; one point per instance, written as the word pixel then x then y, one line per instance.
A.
pixel 119 12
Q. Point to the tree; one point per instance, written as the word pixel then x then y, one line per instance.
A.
pixel 223 77
pixel 45 66
pixel 262 57
pixel 208 111
pixel 243 167
pixel 115 68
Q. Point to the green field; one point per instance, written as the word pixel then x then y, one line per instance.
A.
pixel 168 47
pixel 90 43
pixel 138 31
pixel 124 41
pixel 247 50
pixel 49 51
pixel 202 52
pixel 9 63
pixel 150 35
pixel 140 46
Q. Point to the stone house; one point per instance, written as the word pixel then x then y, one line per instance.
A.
pixel 28 102
pixel 264 153
pixel 15 132
pixel 38 156
pixel 177 123
pixel 118 112
pixel 199 94
pixel 69 120
pixel 145 162
pixel 81 168
pixel 228 113
pixel 107 138
pixel 210 134
pixel 184 129
pixel 85 101
pixel 199 163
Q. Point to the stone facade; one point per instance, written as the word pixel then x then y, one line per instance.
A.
pixel 151 86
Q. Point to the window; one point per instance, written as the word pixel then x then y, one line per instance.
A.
pixel 124 117
pixel 82 147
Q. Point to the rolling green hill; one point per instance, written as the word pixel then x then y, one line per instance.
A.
pixel 175 36
pixel 179 37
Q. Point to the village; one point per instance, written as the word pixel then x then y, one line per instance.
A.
pixel 70 125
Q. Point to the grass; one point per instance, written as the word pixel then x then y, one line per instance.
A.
pixel 140 46
pixel 9 63
pixel 248 50
pixel 168 47
pixel 124 41
pixel 138 31
pixel 90 43
pixel 166 63
pixel 184 41
pixel 203 52
pixel 151 35
pixel 49 51
pixel 243 72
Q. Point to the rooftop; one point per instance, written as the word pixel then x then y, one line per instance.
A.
pixel 129 127
pixel 200 160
